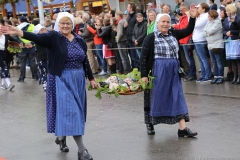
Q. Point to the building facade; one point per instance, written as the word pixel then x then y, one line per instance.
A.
pixel 95 6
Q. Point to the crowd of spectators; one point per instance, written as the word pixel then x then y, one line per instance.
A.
pixel 114 40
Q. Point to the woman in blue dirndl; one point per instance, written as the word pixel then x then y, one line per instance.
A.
pixel 166 102
pixel 231 26
pixel 66 90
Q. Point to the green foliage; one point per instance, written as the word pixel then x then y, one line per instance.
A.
pixel 135 74
pixel 14 50
pixel 8 1
pixel 3 2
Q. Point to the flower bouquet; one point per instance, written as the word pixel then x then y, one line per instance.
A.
pixel 14 47
pixel 122 84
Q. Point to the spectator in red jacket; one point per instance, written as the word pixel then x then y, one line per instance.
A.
pixel 188 53
pixel 98 42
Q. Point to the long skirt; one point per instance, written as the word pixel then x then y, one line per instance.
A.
pixel 4 70
pixel 66 103
pixel 233 50
pixel 165 103
pixel 42 72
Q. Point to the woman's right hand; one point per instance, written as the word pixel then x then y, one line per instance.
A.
pixel 193 11
pixel 11 30
pixel 145 79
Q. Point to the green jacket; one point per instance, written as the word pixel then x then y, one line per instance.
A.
pixel 150 28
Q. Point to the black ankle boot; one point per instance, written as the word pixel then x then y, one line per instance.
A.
pixel 20 80
pixel 186 132
pixel 234 80
pixel 113 69
pixel 231 75
pixel 84 155
pixel 62 144
pixel 238 80
pixel 150 129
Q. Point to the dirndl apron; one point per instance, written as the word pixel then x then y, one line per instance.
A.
pixel 233 50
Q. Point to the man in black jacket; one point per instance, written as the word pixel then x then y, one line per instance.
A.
pixel 131 21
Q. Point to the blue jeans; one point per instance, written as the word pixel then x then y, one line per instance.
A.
pixel 191 62
pixel 133 55
pixel 217 61
pixel 99 52
pixel 139 52
pixel 201 50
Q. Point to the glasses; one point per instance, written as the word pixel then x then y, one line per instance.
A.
pixel 63 24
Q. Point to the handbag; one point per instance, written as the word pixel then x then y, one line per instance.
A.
pixel 182 73
pixel 110 44
pixel 112 40
pixel 217 50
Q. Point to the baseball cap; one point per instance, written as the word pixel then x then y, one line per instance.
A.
pixel 149 4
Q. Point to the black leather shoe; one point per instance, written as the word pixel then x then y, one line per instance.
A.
pixel 229 77
pixel 234 80
pixel 20 80
pixel 35 78
pixel 238 80
pixel 186 132
pixel 84 155
pixel 62 144
pixel 150 129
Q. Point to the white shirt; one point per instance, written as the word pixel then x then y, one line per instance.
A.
pixel 201 21
pixel 2 42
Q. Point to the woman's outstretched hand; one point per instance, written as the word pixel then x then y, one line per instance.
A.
pixel 193 11
pixel 11 30
pixel 94 84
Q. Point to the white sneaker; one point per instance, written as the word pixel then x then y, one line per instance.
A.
pixel 10 87
pixel 3 87
pixel 102 73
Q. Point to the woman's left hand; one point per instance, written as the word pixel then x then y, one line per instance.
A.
pixel 229 34
pixel 93 84
pixel 193 11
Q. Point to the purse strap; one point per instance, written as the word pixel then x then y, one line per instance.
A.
pixel 172 49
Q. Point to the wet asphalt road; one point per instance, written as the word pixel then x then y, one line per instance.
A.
pixel 115 127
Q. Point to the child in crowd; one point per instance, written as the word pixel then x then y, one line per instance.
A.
pixel 140 32
pixel 4 68
pixel 41 58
